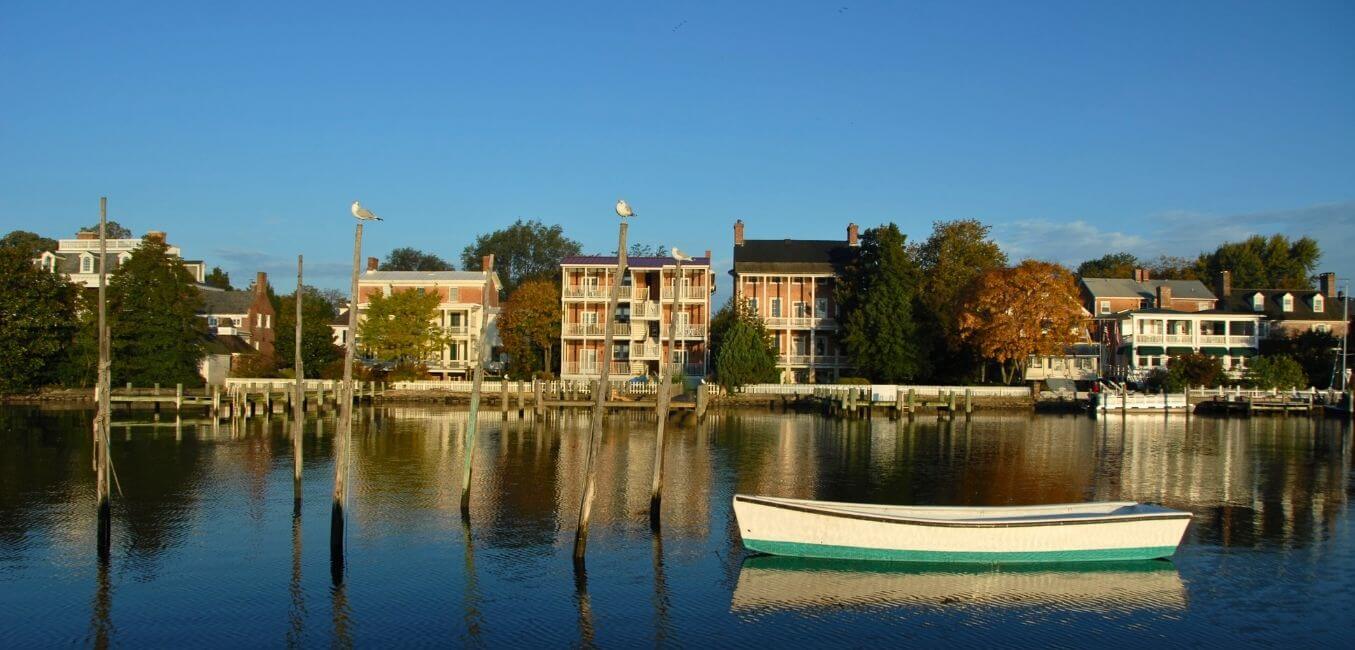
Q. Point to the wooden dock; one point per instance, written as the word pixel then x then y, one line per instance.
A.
pixel 861 402
pixel 242 399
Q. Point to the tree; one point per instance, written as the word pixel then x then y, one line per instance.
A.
pixel 1030 309
pixel 112 230
pixel 747 353
pixel 37 321
pixel 412 259
pixel 30 243
pixel 1166 267
pixel 724 318
pixel 317 339
pixel 1275 371
pixel 1318 353
pixel 1259 262
pixel 954 255
pixel 1111 265
pixel 878 299
pixel 218 278
pixel 530 325
pixel 156 333
pixel 524 250
pixel 402 327
pixel 640 250
pixel 1194 370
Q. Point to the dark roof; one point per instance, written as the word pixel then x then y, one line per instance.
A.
pixel 634 262
pixel 1126 288
pixel 793 256
pixel 1207 312
pixel 226 302
pixel 1241 300
pixel 228 344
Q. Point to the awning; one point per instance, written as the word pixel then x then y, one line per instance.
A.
pixel 1148 350
pixel 1215 352
pixel 1178 350
pixel 1242 352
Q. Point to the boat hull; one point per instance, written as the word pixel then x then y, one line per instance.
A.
pixel 804 529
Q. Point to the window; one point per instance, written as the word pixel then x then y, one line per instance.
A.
pixel 86 264
pixel 752 304
pixel 1143 362
pixel 590 282
pixel 588 359
pixel 1287 302
pixel 1037 362
pixel 258 320
pixel 801 310
pixel 1258 302
pixel 211 321
pixel 1318 304
pixel 1105 306
pixel 819 347
pixel 776 307
pixel 589 318
pixel 620 351
pixel 821 307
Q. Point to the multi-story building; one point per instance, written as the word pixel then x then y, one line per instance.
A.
pixel 791 285
pixel 248 315
pixel 79 258
pixel 458 313
pixel 1289 312
pixel 644 316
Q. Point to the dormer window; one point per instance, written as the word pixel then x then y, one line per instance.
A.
pixel 86 263
pixel 1258 302
pixel 1287 302
pixel 1318 305
pixel 123 257
pixel 48 262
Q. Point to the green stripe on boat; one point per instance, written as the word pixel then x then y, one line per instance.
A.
pixel 797 549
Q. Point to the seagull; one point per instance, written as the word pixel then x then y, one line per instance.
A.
pixel 679 256
pixel 363 214
pixel 623 208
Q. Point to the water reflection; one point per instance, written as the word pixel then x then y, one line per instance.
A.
pixel 776 583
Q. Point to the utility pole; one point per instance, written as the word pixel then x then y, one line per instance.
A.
pixel 102 464
pixel 299 395
pixel 478 377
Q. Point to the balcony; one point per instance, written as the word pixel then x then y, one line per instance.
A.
pixel 802 322
pixel 645 310
pixel 619 369
pixel 646 350
pixel 699 294
pixel 457 331
pixel 587 293
pixel 583 329
pixel 817 361
pixel 691 331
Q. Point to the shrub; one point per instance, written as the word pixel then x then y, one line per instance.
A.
pixel 854 381
pixel 1278 371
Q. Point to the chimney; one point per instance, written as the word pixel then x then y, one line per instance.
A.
pixel 1224 287
pixel 738 232
pixel 1164 296
pixel 153 235
pixel 87 234
pixel 851 235
pixel 261 283
pixel 1326 283
pixel 1142 275
pixel 487 263
pixel 708 256
pixel 372 264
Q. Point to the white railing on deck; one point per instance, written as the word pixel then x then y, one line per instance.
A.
pixel 883 392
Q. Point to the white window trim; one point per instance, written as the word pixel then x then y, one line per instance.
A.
pixel 1258 302
pixel 1318 304
pixel 1287 302
pixel 1105 306
pixel 86 263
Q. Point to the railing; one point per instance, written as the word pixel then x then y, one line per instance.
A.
pixel 645 310
pixel 639 293
pixel 1213 339
pixel 694 369
pixel 588 293
pixel 1243 340
pixel 576 368
pixel 689 293
pixel 888 391
pixel 818 360
pixel 648 350
pixel 584 329
pixel 691 331
pixel 457 330
pixel 802 322
pixel 1180 338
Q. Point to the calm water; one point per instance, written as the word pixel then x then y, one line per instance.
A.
pixel 207 550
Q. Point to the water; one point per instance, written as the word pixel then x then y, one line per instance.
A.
pixel 207 550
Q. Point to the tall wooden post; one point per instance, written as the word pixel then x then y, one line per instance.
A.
pixel 665 378
pixel 102 465
pixel 478 374
pixel 344 435
pixel 298 395
pixel 600 402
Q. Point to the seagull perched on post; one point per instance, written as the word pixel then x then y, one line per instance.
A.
pixel 623 208
pixel 679 256
pixel 363 214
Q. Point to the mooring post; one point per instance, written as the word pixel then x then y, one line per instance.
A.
pixel 477 379
pixel 102 464
pixel 538 406
pixel 298 395
pixel 968 401
pixel 343 437
pixel 661 402
pixel 503 398
pixel 522 400
pixel 178 397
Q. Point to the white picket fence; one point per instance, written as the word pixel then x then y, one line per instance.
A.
pixel 888 392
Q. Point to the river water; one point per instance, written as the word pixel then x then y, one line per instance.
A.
pixel 208 551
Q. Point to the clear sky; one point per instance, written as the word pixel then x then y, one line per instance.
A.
pixel 1075 128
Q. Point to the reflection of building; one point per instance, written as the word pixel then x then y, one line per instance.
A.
pixel 458 311
pixel 79 258
pixel 791 284
pixel 644 315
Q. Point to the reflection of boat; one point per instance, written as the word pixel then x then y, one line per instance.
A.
pixel 769 582
pixel 1121 530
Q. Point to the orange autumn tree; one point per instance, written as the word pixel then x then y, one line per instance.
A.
pixel 1013 313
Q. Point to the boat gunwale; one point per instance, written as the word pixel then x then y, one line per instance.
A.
pixel 829 511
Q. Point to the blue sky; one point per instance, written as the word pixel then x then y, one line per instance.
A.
pixel 244 129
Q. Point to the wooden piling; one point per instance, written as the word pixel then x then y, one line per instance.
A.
pixel 299 396
pixel 538 404
pixel 477 379
pixel 522 401
pixel 661 405
pixel 343 436
pixel 102 464
pixel 503 398
pixel 178 397
pixel 968 401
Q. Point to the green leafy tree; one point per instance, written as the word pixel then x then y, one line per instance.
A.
pixel 402 327
pixel 640 250
pixel 317 339
pixel 1318 353
pixel 1276 371
pixel 1111 265
pixel 1166 267
pixel 37 321
pixel 412 259
pixel 879 302
pixel 156 333
pixel 956 253
pixel 1194 370
pixel 112 230
pixel 30 243
pixel 529 326
pixel 218 278
pixel 1260 262
pixel 747 353
pixel 524 250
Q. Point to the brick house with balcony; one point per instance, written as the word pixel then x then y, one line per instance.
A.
pixel 791 284
pixel 458 311
pixel 644 317
pixel 79 258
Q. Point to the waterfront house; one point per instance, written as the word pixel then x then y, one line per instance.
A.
pixel 1081 362
pixel 239 324
pixel 644 317
pixel 79 259
pixel 791 284
pixel 1289 312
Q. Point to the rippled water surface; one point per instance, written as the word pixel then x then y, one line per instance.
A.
pixel 208 551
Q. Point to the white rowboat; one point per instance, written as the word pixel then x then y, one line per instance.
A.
pixel 1116 530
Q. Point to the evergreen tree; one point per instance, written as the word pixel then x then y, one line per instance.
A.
pixel 317 338
pixel 879 302
pixel 746 354
pixel 37 321
pixel 218 278
pixel 153 306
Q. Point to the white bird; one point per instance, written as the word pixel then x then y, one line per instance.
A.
pixel 679 256
pixel 363 214
pixel 623 208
